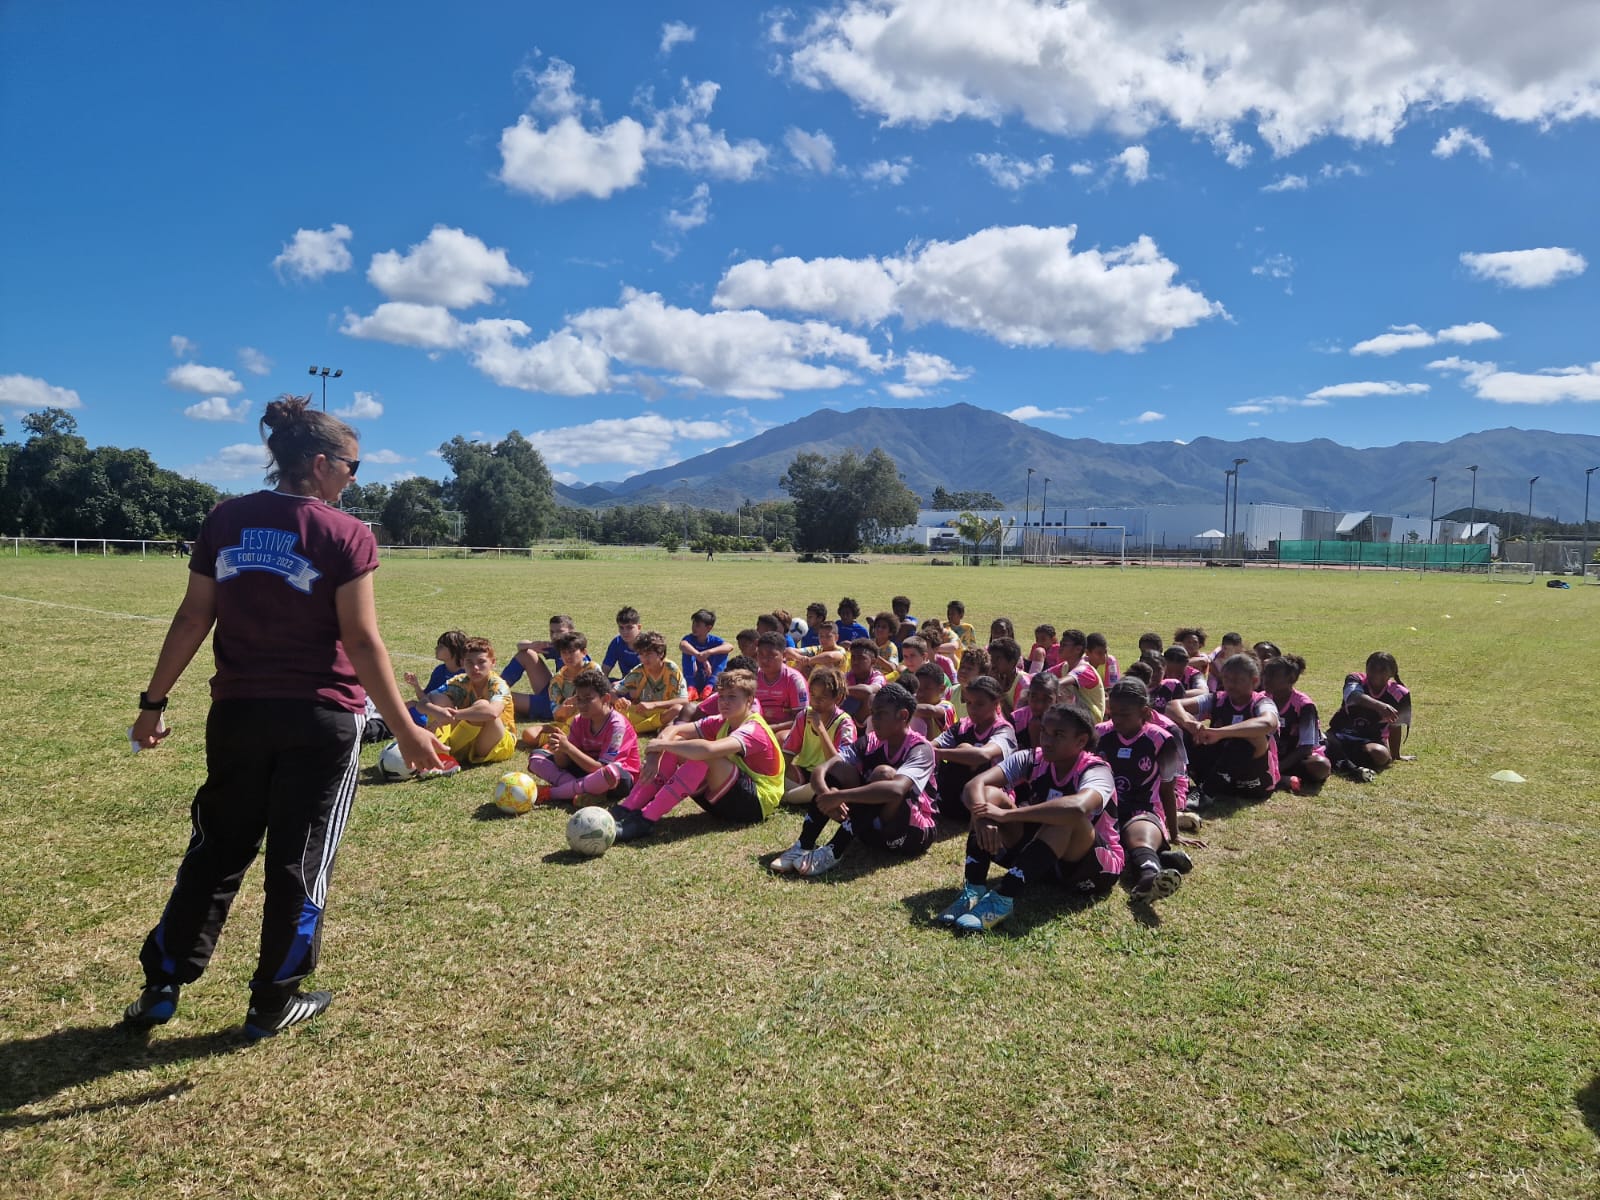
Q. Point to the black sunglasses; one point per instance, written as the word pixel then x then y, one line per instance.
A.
pixel 353 463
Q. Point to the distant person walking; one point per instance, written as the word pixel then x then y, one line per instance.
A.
pixel 286 579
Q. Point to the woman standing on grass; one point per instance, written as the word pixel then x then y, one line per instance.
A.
pixel 286 579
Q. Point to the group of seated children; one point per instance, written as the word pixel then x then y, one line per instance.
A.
pixel 1074 771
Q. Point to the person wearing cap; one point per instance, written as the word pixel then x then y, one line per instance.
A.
pixel 974 743
pixel 1047 815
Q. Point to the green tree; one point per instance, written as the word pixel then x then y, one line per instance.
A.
pixel 842 502
pixel 413 513
pixel 504 491
pixel 945 500
pixel 364 498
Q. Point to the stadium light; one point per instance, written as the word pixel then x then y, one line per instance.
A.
pixel 1583 566
pixel 1433 505
pixel 1227 511
pixel 325 373
pixel 1027 505
pixel 1237 463
pixel 1527 526
pixel 1471 524
pixel 1042 497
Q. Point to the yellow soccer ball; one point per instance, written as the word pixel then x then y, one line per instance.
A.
pixel 516 792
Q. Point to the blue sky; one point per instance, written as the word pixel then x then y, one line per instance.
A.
pixel 636 232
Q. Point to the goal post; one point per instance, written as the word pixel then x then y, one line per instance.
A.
pixel 1059 544
pixel 1511 572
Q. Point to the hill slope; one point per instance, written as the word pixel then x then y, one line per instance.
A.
pixel 963 447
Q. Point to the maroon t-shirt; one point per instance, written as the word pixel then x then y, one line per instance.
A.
pixel 277 560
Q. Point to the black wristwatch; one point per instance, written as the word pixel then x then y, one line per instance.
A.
pixel 148 705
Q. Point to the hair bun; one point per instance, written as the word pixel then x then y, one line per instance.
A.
pixel 284 411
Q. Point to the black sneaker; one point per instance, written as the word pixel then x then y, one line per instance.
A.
pixel 633 825
pixel 1176 860
pixel 155 1006
pixel 301 1006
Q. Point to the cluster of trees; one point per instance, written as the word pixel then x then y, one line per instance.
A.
pixel 751 526
pixel 55 485
pixel 846 502
pixel 944 500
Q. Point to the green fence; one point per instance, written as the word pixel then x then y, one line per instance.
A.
pixel 1415 555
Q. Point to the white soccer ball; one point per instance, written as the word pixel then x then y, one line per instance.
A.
pixel 392 764
pixel 591 831
pixel 515 793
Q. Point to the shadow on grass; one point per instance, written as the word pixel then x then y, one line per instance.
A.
pixel 37 1068
pixel 1588 1101
pixel 1041 906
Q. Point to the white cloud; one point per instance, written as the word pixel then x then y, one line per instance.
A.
pixel 428 326
pixel 1148 417
pixel 695 213
pixel 641 442
pixel 254 361
pixel 449 267
pixel 1459 139
pixel 1552 385
pixel 923 372
pixel 1014 174
pixel 562 364
pixel 1135 164
pixel 182 347
pixel 1415 337
pixel 1032 412
pixel 814 151
pixel 363 406
pixel 1081 168
pixel 30 392
pixel 1356 71
pixel 192 377
pixel 1287 183
pixel 1020 285
pixel 384 458
pixel 567 158
pixel 1340 391
pixel 217 409
pixel 884 171
pixel 314 253
pixel 1338 171
pixel 1273 404
pixel 1274 266
pixel 747 355
pixel 675 33
pixel 242 460
pixel 1526 268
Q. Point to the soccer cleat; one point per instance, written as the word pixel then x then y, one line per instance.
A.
pixel 1189 821
pixel 450 767
pixel 969 895
pixel 989 911
pixel 1357 772
pixel 155 1006
pixel 1176 860
pixel 301 1006
pixel 789 861
pixel 633 825
pixel 1155 885
pixel 819 862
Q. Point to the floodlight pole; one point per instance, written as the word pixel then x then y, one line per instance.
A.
pixel 1472 523
pixel 1027 504
pixel 324 373
pixel 1227 513
pixel 1237 463
pixel 1527 526
pixel 1583 565
pixel 1433 505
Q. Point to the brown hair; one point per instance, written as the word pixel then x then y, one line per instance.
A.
pixel 478 645
pixel 590 678
pixel 650 640
pixel 825 679
pixel 737 680
pixel 299 434
pixel 454 643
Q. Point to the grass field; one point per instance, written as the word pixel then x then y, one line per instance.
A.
pixel 1388 990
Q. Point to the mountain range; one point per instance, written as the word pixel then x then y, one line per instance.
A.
pixel 966 448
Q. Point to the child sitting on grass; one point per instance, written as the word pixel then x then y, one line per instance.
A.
pixel 1366 734
pixel 653 693
pixel 596 757
pixel 816 734
pixel 472 714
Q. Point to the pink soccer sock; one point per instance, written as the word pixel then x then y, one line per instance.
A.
pixel 598 783
pixel 685 781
